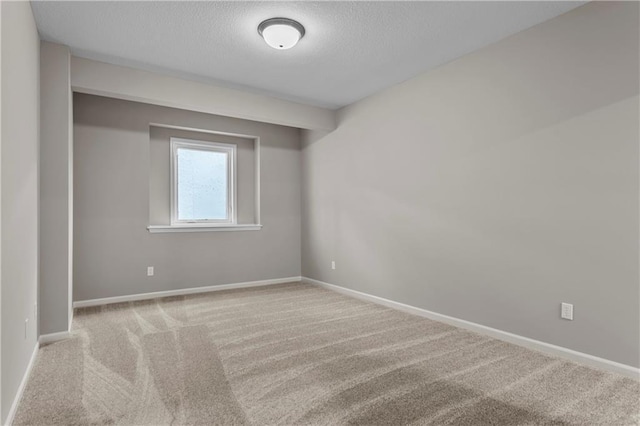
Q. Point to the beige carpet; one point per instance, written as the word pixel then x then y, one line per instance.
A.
pixel 298 354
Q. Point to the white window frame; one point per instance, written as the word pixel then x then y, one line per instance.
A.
pixel 230 150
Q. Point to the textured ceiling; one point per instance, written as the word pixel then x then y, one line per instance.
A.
pixel 350 50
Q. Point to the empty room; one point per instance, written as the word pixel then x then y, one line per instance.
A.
pixel 320 213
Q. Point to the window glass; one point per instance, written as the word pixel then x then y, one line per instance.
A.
pixel 202 185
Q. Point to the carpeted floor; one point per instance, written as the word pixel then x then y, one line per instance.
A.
pixel 299 354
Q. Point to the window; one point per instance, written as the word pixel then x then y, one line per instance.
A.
pixel 202 182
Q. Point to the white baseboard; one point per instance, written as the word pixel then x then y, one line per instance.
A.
pixel 23 384
pixel 559 351
pixel 53 337
pixel 180 292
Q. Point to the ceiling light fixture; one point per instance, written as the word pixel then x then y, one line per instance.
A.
pixel 281 33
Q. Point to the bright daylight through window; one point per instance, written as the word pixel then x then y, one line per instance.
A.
pixel 202 182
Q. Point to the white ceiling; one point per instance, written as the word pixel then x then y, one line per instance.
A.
pixel 350 50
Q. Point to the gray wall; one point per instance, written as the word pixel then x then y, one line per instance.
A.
pixel 112 246
pixel 495 187
pixel 19 191
pixel 56 189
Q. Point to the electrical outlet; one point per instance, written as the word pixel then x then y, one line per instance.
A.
pixel 35 310
pixel 566 311
pixel 333 264
pixel 26 326
pixel 149 271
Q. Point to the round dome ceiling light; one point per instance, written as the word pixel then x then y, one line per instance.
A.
pixel 281 33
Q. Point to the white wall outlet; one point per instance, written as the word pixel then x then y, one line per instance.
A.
pixel 149 271
pixel 35 310
pixel 566 311
pixel 26 326
pixel 333 264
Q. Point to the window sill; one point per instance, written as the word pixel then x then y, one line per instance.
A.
pixel 154 229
